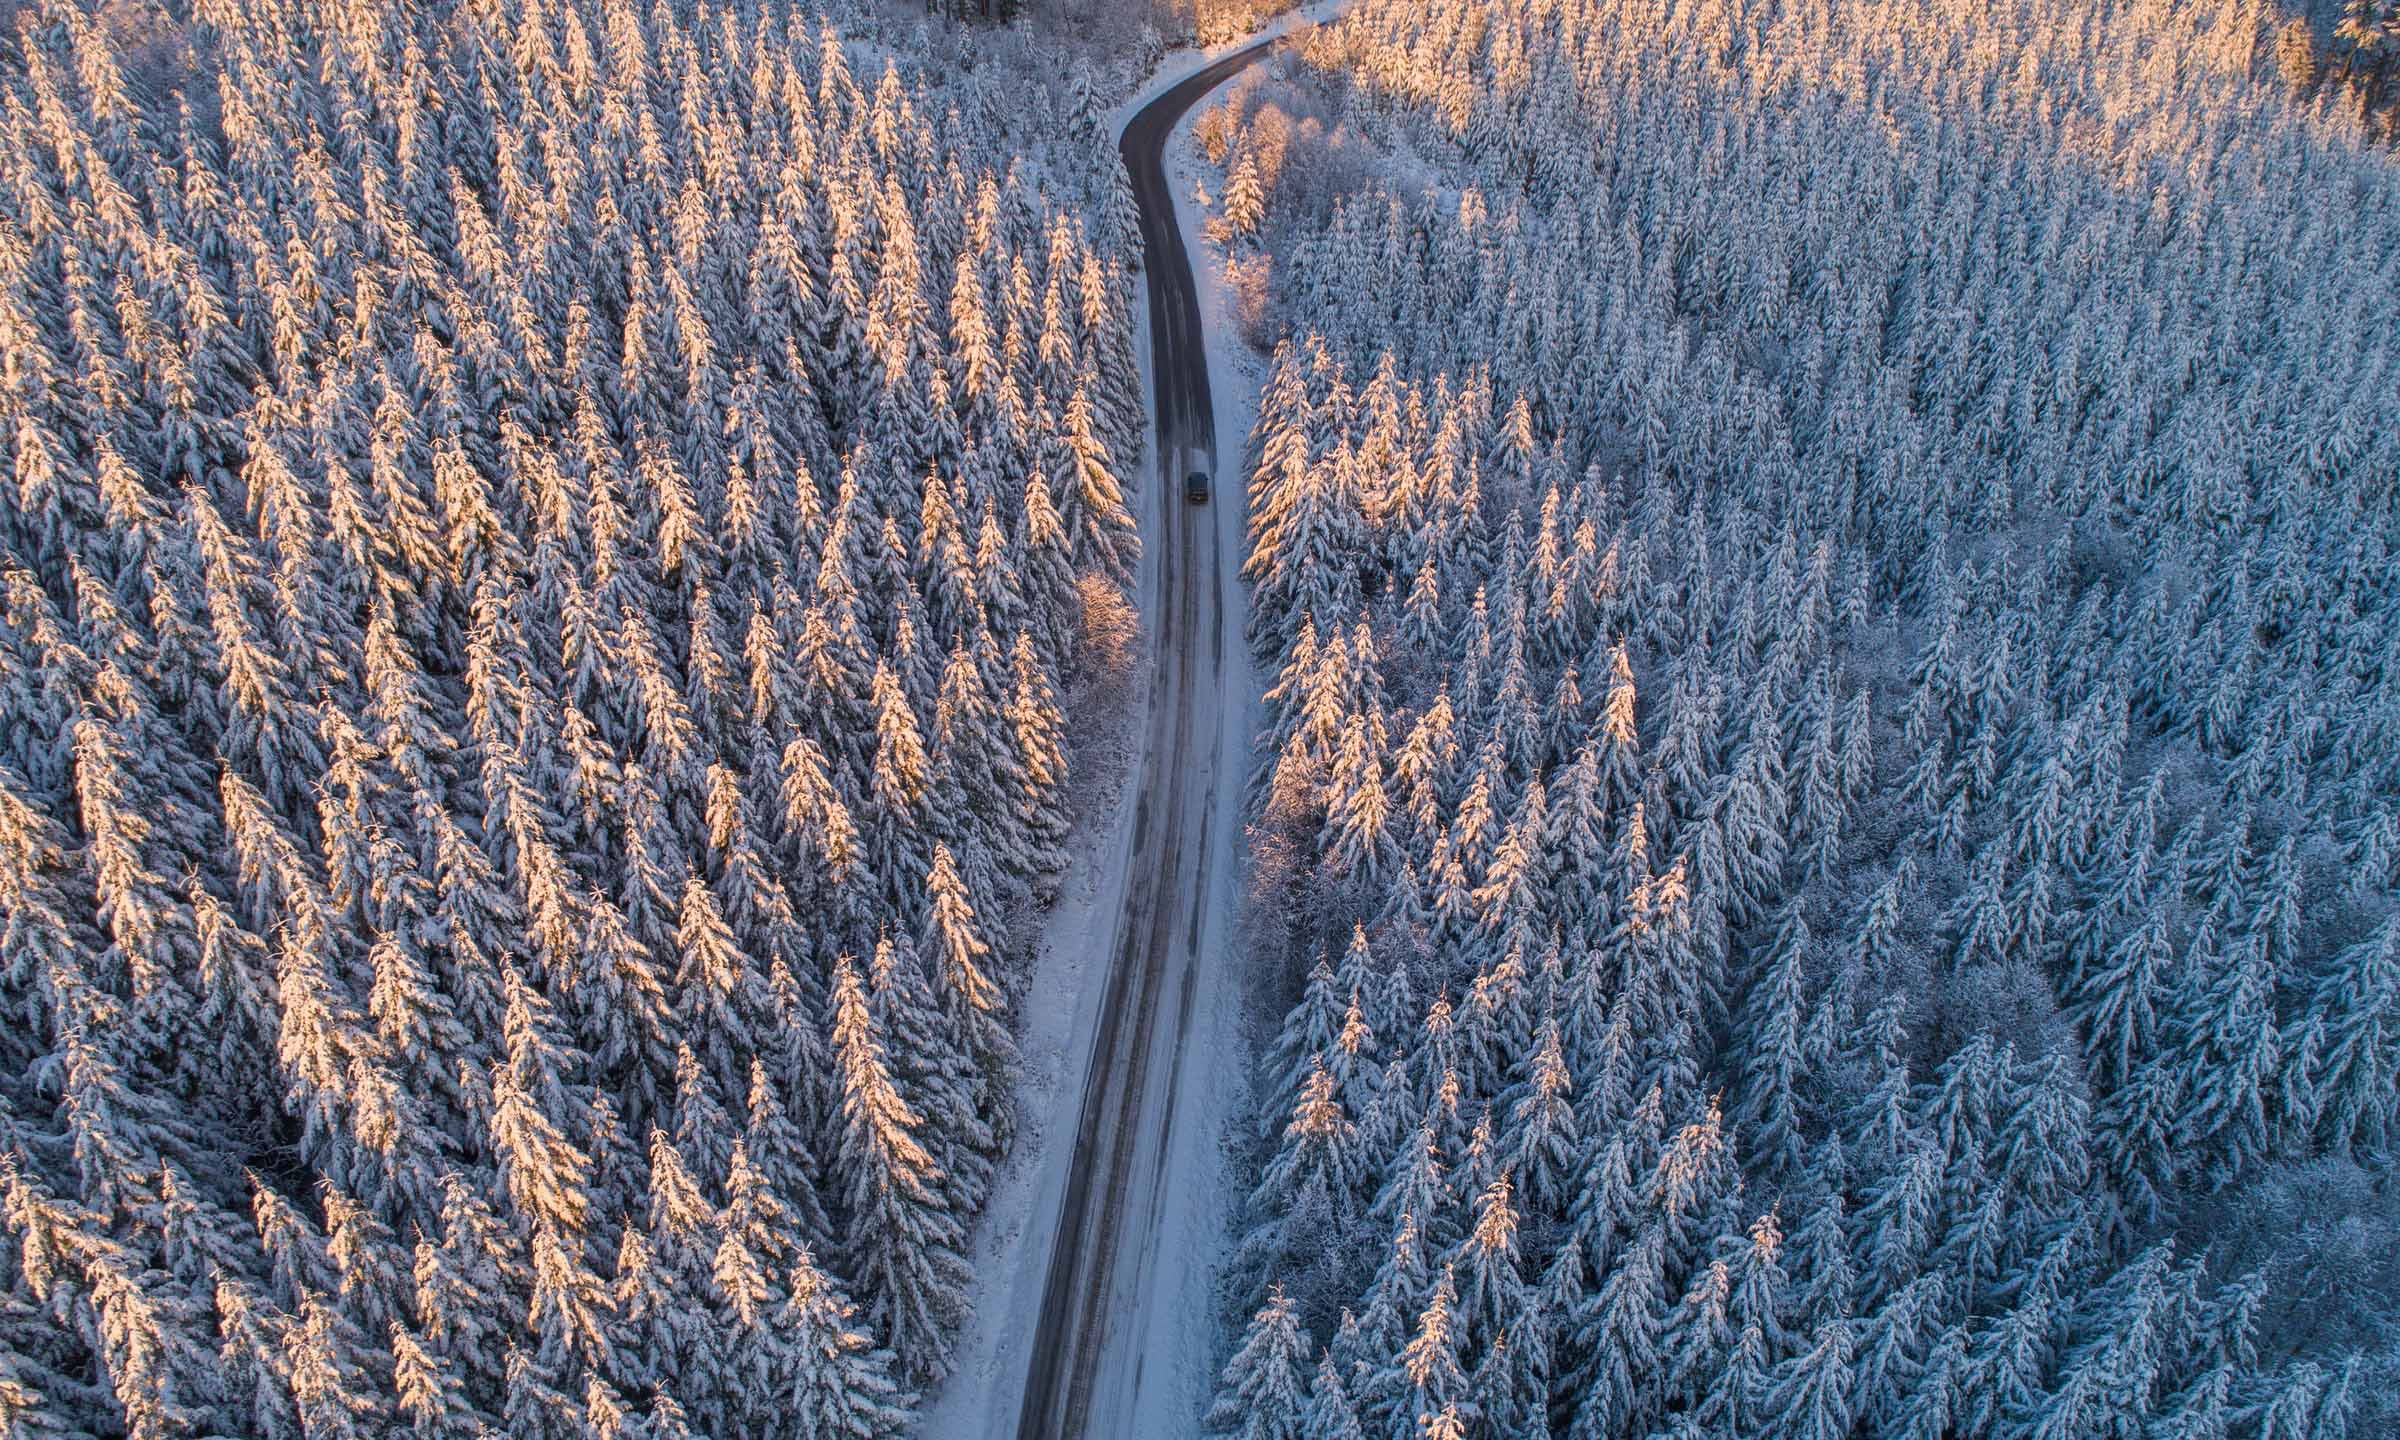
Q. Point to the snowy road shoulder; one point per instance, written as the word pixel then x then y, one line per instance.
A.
pixel 1157 1372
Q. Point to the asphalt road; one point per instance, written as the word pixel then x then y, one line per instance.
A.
pixel 1085 1360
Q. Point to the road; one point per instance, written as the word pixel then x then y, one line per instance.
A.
pixel 1085 1368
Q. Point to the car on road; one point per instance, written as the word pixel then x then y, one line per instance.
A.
pixel 1195 487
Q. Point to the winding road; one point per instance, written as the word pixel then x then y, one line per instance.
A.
pixel 1085 1368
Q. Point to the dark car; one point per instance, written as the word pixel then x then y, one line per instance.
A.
pixel 1195 487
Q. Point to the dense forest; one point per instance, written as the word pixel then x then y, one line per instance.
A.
pixel 1828 577
pixel 2348 65
pixel 549 547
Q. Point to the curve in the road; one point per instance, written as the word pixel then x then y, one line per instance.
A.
pixel 1109 1194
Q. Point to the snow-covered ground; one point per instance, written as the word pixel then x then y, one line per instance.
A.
pixel 1012 1239
pixel 1156 1374
pixel 1180 64
pixel 1177 1311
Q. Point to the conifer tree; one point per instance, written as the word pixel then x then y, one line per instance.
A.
pixel 1265 1394
pixel 903 1240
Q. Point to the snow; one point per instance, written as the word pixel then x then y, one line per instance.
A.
pixel 1011 1250
pixel 1156 1380
pixel 1011 1253
pixel 1182 63
pixel 1179 1337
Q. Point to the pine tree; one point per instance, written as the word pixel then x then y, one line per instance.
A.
pixel 840 1385
pixel 903 1240
pixel 1775 1020
pixel 1810 1394
pixel 1432 1361
pixel 1330 1415
pixel 1264 1394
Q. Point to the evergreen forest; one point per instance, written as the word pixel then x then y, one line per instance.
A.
pixel 1825 576
pixel 548 551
